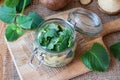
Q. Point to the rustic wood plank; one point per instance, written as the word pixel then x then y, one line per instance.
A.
pixel 1 68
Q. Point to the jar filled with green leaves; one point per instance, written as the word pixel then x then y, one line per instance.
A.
pixel 55 39
pixel 56 42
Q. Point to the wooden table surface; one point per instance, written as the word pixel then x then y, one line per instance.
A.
pixel 9 72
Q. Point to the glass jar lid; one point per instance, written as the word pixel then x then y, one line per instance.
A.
pixel 85 22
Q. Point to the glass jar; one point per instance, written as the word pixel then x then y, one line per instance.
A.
pixel 81 20
pixel 54 58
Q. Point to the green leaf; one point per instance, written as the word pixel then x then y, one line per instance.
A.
pixel 115 49
pixel 7 14
pixel 37 19
pixel 53 26
pixel 50 46
pixel 51 33
pixel 12 3
pixel 54 38
pixel 13 32
pixel 24 21
pixel 67 32
pixel 70 42
pixel 52 43
pixel 20 5
pixel 64 39
pixel 97 58
pixel 63 44
pixel 41 38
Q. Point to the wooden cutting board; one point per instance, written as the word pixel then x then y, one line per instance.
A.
pixel 1 67
pixel 21 51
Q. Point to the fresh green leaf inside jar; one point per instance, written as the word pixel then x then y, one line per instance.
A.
pixel 55 37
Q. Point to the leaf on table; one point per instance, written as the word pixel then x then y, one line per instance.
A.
pixel 20 5
pixel 97 58
pixel 12 3
pixel 37 19
pixel 7 14
pixel 115 49
pixel 24 21
pixel 13 32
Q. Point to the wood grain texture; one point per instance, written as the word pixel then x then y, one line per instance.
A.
pixel 21 50
pixel 1 68
pixel 6 64
pixel 1 51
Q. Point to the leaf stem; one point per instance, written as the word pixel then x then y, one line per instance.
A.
pixel 23 7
